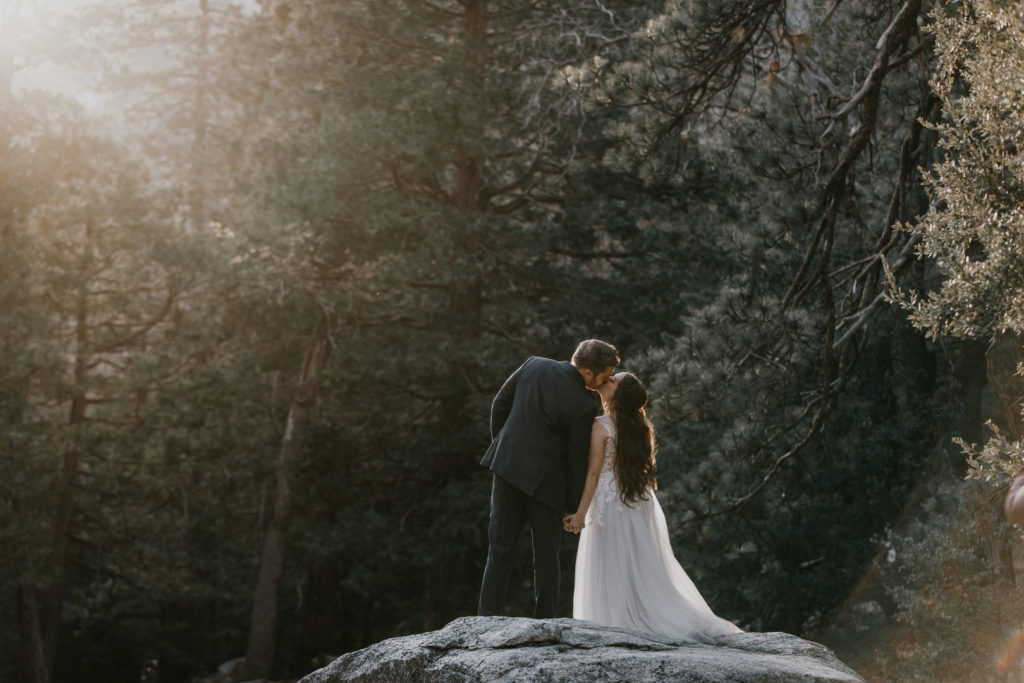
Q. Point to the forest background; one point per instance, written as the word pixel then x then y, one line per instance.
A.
pixel 263 271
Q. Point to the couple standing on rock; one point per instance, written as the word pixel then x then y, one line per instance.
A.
pixel 557 465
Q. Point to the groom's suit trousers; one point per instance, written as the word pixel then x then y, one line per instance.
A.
pixel 511 509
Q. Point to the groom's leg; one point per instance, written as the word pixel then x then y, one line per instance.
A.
pixel 546 524
pixel 508 517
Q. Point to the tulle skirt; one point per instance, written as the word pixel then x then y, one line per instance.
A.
pixel 626 574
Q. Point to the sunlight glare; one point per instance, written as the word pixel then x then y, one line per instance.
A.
pixel 1011 654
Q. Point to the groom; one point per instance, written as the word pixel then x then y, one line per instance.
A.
pixel 540 430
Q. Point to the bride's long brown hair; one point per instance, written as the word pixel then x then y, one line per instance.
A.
pixel 635 445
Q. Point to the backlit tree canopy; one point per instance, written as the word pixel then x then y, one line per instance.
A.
pixel 266 264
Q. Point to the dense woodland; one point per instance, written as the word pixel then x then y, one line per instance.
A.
pixel 261 276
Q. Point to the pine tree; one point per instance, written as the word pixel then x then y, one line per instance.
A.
pixel 104 271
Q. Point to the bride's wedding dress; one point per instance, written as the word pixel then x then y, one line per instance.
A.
pixel 626 574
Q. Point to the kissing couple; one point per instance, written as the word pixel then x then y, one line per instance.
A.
pixel 560 464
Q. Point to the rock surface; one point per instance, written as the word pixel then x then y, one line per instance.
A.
pixel 514 649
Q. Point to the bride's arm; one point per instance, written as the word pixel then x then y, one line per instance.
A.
pixel 596 459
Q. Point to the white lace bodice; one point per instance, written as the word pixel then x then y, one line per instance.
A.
pixel 609 442
pixel 607 486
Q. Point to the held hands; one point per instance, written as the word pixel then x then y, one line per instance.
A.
pixel 574 523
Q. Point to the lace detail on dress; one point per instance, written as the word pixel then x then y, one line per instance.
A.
pixel 607 486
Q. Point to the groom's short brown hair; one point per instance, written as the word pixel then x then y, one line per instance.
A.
pixel 595 355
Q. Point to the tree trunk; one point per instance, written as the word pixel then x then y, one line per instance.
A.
pixel 197 184
pixel 38 668
pixel 41 609
pixel 321 606
pixel 469 165
pixel 464 295
pixel 971 372
pixel 259 656
pixel 6 73
pixel 1002 358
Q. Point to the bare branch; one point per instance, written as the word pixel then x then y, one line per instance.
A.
pixel 895 35
pixel 144 328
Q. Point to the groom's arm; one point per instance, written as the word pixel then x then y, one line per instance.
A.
pixel 501 406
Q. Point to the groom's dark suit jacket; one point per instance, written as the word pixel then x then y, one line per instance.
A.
pixel 540 430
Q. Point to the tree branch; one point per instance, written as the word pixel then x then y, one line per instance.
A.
pixel 130 339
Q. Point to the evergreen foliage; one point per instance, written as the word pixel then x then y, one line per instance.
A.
pixel 427 192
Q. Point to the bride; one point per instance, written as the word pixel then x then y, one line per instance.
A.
pixel 626 574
